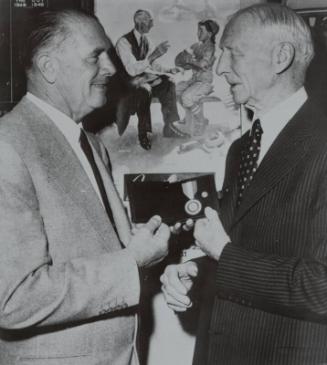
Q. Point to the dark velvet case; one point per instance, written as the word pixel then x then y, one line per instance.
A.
pixel 175 202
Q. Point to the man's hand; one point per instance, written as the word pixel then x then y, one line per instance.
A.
pixel 178 227
pixel 149 243
pixel 210 235
pixel 177 280
pixel 159 51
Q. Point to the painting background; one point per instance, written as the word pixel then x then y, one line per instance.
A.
pixel 167 338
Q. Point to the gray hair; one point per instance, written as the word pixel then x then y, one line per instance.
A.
pixel 49 30
pixel 285 25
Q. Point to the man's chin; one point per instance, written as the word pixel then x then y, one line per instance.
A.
pixel 238 99
pixel 100 100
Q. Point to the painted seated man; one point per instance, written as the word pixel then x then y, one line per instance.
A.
pixel 146 79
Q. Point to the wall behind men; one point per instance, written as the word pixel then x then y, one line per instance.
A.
pixel 174 20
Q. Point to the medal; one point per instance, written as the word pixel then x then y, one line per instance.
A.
pixel 192 206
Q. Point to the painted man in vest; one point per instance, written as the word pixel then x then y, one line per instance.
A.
pixel 141 69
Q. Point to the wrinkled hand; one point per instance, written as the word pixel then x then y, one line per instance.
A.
pixel 177 281
pixel 146 87
pixel 210 235
pixel 149 242
pixel 159 51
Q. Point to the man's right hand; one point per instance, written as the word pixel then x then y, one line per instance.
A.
pixel 177 281
pixel 149 243
pixel 159 51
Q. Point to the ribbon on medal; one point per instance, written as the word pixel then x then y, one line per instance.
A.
pixel 192 206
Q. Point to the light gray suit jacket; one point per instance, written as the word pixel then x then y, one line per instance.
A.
pixel 67 288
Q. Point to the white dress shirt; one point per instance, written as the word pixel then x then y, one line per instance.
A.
pixel 71 131
pixel 276 119
pixel 132 65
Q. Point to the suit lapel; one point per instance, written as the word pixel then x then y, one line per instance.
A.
pixel 65 170
pixel 118 211
pixel 287 150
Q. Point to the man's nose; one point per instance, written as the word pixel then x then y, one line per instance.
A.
pixel 222 65
pixel 107 66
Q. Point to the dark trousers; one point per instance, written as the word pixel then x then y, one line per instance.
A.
pixel 166 94
pixel 135 101
pixel 130 100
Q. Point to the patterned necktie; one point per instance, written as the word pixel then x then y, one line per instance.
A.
pixel 87 149
pixel 249 159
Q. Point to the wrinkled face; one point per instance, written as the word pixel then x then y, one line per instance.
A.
pixel 246 62
pixel 203 34
pixel 84 68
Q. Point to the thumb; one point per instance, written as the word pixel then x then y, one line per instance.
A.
pixel 189 269
pixel 163 232
pixel 210 213
pixel 153 223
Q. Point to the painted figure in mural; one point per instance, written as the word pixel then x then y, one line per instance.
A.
pixel 146 79
pixel 266 296
pixel 69 263
pixel 200 58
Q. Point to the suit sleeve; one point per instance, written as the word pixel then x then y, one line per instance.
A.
pixel 293 286
pixel 35 290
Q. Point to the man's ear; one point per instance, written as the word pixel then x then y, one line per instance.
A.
pixel 47 66
pixel 283 56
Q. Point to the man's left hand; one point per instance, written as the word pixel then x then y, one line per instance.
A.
pixel 210 235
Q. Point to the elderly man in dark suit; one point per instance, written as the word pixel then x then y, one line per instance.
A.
pixel 267 298
pixel 69 264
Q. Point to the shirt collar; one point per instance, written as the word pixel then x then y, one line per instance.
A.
pixel 275 119
pixel 68 127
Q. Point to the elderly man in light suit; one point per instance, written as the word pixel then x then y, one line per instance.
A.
pixel 69 264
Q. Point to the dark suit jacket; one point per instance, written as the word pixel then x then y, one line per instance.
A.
pixel 268 300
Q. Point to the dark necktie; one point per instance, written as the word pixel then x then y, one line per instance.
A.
pixel 87 149
pixel 249 159
pixel 143 47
